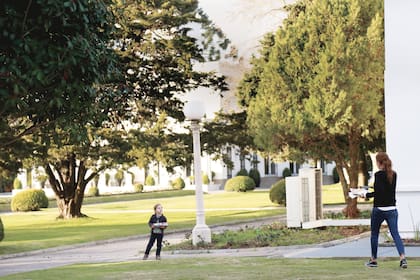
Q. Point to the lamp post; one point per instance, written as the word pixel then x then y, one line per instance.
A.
pixel 194 111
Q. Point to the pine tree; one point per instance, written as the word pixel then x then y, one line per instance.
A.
pixel 319 94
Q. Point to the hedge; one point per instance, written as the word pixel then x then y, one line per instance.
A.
pixel 178 184
pixel 278 192
pixel 1 230
pixel 29 200
pixel 255 175
pixel 240 184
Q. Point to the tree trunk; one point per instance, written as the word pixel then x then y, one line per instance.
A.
pixel 351 210
pixel 363 170
pixel 69 184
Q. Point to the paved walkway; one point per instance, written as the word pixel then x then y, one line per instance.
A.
pixel 132 248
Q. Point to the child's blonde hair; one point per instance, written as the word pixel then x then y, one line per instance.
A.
pixel 156 206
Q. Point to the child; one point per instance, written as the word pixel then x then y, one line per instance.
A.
pixel 157 223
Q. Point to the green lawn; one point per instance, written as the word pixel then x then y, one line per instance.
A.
pixel 38 230
pixel 231 268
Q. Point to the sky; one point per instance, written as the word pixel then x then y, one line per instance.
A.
pixel 245 21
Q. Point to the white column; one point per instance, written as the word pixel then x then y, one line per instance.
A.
pixel 201 232
pixel 402 106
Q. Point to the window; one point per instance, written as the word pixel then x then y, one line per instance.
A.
pixel 255 161
pixel 242 161
pixel 229 157
pixel 273 168
pixel 266 166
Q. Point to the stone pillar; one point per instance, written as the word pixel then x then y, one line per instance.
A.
pixel 402 106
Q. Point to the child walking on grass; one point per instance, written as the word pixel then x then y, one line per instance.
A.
pixel 157 223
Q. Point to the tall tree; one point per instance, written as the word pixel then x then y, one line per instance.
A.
pixel 51 55
pixel 318 90
pixel 85 106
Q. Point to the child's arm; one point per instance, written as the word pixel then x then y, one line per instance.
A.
pixel 151 224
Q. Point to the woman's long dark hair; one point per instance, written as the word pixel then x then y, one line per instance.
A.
pixel 383 159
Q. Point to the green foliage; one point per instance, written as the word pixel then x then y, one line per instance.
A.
pixel 278 192
pixel 255 175
pixel 150 181
pixel 336 178
pixel 53 55
pixel 138 188
pixel 286 172
pixel 206 179
pixel 29 200
pixel 42 179
pixel 93 191
pixel 1 230
pixel 242 172
pixel 227 130
pixel 17 184
pixel 119 176
pixel 240 184
pixel 107 179
pixel 316 89
pixel 178 184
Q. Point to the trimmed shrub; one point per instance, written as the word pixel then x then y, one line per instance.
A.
pixel 255 175
pixel 29 200
pixel 150 181
pixel 336 178
pixel 138 187
pixel 93 191
pixel 119 176
pixel 17 184
pixel 178 184
pixel 205 179
pixel 286 172
pixel 1 230
pixel 213 175
pixel 42 179
pixel 107 179
pixel 278 192
pixel 242 172
pixel 240 184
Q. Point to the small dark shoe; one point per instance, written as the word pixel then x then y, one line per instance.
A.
pixel 371 263
pixel 145 257
pixel 158 258
pixel 403 263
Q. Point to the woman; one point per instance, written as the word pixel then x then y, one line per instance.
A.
pixel 384 208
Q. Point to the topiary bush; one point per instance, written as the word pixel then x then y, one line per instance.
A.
pixel 17 184
pixel 286 172
pixel 242 172
pixel 278 192
pixel 255 175
pixel 240 184
pixel 29 200
pixel 1 230
pixel 150 181
pixel 119 177
pixel 178 184
pixel 138 187
pixel 205 179
pixel 93 191
pixel 107 179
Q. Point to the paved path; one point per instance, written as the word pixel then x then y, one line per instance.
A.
pixel 130 249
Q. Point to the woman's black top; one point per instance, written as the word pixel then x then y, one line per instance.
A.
pixel 384 191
